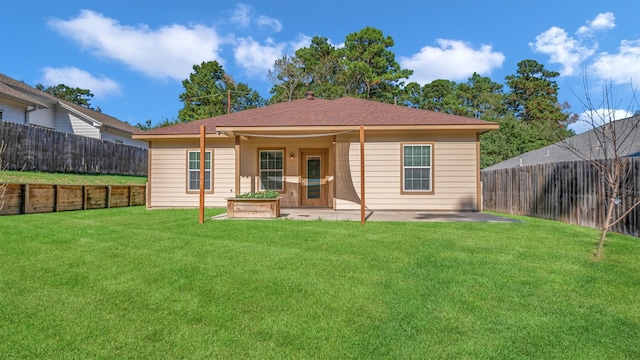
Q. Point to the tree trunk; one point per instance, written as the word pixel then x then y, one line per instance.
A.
pixel 614 176
pixel 605 228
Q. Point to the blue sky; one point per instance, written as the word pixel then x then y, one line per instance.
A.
pixel 134 54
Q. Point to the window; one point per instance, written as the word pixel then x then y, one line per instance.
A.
pixel 417 169
pixel 271 170
pixel 193 177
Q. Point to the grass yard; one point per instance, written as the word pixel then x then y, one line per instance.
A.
pixel 133 283
pixel 37 177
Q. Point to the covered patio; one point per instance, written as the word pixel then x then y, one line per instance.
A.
pixel 381 215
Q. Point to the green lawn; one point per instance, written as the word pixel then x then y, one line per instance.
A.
pixel 37 177
pixel 133 283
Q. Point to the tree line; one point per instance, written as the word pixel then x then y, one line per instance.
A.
pixel 529 113
pixel 526 106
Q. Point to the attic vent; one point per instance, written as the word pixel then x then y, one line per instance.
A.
pixel 310 95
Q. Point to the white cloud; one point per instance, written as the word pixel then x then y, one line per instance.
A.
pixel 602 21
pixel 451 60
pixel 168 52
pixel 620 68
pixel 76 78
pixel 568 51
pixel 256 58
pixel 242 15
pixel 593 119
pixel 269 22
pixel 562 49
pixel 301 41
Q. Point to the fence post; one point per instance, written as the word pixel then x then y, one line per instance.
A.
pixel 56 201
pixel 25 199
pixel 84 197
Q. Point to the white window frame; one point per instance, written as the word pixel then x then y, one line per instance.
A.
pixel 264 172
pixel 428 167
pixel 193 169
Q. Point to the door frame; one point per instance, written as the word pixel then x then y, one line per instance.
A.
pixel 324 175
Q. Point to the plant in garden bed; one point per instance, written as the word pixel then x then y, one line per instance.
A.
pixel 259 195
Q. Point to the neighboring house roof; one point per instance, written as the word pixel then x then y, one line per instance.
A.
pixel 591 145
pixel 97 117
pixel 342 112
pixel 20 96
pixel 25 93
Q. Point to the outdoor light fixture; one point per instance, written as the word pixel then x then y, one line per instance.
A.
pixel 291 156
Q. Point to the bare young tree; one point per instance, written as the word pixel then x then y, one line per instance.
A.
pixel 608 146
pixel 3 166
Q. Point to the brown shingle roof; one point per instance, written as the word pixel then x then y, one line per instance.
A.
pixel 345 111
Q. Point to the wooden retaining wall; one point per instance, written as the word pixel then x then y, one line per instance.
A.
pixel 41 198
pixel 571 192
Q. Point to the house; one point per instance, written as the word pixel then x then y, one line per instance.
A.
pixel 21 103
pixel 589 145
pixel 309 150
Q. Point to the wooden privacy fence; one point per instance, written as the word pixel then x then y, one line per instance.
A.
pixel 38 149
pixel 41 198
pixel 570 192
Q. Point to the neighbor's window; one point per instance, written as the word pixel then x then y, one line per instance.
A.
pixel 194 171
pixel 417 168
pixel 272 170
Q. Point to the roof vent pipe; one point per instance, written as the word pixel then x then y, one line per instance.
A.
pixel 309 95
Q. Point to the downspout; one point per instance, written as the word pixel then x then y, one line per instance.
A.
pixel 28 110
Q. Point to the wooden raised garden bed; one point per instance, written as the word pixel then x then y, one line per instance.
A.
pixel 253 208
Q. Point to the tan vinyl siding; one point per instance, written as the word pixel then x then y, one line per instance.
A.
pixel 454 172
pixel 249 180
pixel 169 174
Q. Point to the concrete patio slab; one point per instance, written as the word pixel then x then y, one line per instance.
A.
pixel 354 215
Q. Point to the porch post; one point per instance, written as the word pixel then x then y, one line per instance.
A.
pixel 202 170
pixel 478 178
pixel 238 164
pixel 362 197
